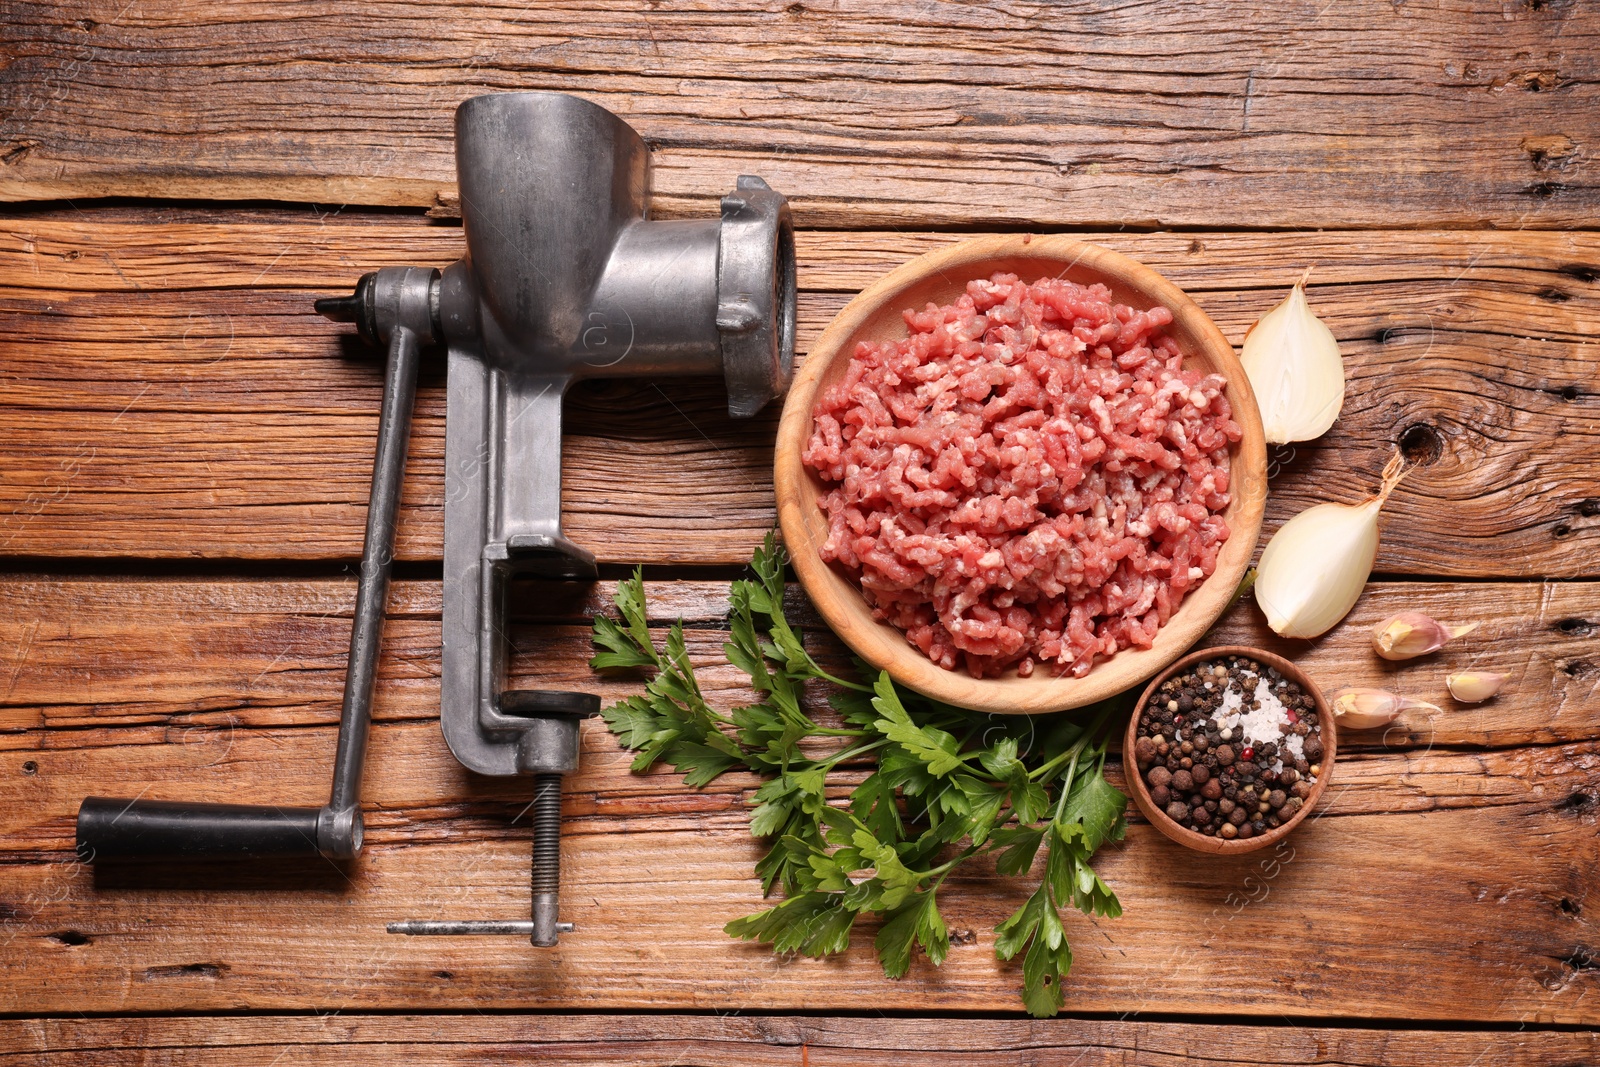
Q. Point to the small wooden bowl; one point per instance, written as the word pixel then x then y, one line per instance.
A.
pixel 1218 845
pixel 941 277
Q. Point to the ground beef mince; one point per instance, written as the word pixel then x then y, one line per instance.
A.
pixel 1030 477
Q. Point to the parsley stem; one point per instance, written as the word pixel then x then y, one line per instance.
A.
pixel 839 757
pixel 951 864
pixel 818 672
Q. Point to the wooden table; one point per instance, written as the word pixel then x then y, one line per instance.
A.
pixel 186 448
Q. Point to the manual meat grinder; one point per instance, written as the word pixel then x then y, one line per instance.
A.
pixel 565 278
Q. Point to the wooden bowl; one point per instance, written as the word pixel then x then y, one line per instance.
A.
pixel 942 276
pixel 1218 845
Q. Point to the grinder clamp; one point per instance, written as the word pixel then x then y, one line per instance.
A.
pixel 565 277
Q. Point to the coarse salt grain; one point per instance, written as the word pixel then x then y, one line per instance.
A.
pixel 1266 723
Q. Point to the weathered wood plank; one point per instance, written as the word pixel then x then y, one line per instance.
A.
pixel 1358 114
pixel 169 393
pixel 773 1041
pixel 124 662
pixel 417 792
pixel 1494 898
pixel 229 690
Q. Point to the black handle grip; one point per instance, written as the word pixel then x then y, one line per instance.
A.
pixel 122 829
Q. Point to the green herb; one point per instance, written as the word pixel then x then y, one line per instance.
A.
pixel 947 785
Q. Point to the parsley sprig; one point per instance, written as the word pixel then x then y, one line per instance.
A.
pixel 946 786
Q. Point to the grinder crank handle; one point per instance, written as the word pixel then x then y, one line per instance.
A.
pixel 112 828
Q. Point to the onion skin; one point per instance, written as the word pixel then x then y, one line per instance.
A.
pixel 1293 363
pixel 1315 567
pixel 1313 570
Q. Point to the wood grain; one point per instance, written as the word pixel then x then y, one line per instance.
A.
pixel 124 662
pixel 169 394
pixel 1358 114
pixel 229 690
pixel 761 1041
pixel 1495 894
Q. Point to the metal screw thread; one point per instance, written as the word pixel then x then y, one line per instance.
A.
pixel 546 858
pixel 547 833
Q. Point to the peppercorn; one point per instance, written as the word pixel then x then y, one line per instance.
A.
pixel 1158 776
pixel 1211 790
pixel 1300 790
pixel 1201 816
pixel 1200 774
pixel 1225 755
pixel 1238 816
pixel 1225 806
pixel 1183 782
pixel 1313 748
pixel 1276 798
pixel 1289 776
pixel 1161 796
pixel 1145 750
pixel 1177 811
pixel 1246 830
pixel 1228 831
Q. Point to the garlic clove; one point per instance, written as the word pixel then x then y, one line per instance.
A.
pixel 1474 687
pixel 1358 708
pixel 1411 633
pixel 1313 570
pixel 1295 370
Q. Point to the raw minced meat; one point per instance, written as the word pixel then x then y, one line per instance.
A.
pixel 1030 477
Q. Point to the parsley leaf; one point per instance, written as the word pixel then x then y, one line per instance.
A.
pixel 947 785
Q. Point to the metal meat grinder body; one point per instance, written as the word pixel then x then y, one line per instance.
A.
pixel 565 277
